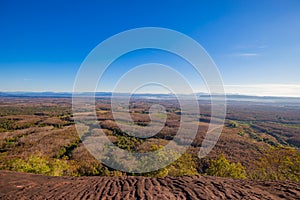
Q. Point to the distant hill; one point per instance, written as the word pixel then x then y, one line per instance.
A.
pixel 203 96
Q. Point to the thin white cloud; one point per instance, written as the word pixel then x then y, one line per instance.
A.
pixel 255 45
pixel 287 90
pixel 249 50
pixel 262 46
pixel 245 54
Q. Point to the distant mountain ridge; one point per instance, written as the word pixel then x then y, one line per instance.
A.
pixel 204 96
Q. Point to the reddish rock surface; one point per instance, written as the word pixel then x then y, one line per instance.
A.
pixel 14 185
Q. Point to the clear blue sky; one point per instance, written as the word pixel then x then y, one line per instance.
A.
pixel 255 44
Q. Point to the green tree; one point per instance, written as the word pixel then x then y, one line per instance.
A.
pixel 128 143
pixel 42 165
pixel 277 163
pixel 223 168
pixel 184 165
pixel 233 124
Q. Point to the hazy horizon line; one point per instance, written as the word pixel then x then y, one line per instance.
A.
pixel 153 93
